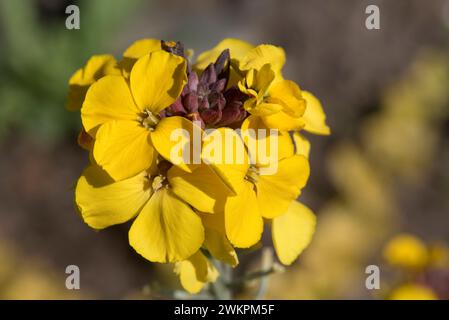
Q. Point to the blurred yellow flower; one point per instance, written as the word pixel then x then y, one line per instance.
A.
pixel 406 251
pixel 412 292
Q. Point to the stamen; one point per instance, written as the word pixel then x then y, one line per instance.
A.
pixel 148 119
pixel 159 182
pixel 252 175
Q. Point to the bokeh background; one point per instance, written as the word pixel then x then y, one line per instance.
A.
pixel 384 169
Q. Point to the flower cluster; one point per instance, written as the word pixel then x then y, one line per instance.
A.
pixel 213 199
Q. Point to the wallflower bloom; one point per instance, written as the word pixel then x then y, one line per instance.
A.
pixel 257 196
pixel 167 228
pixel 124 119
pixel 193 214
pixel 278 103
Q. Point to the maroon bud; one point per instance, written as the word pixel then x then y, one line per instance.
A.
pixel 222 63
pixel 209 75
pixel 177 107
pixel 190 102
pixel 203 89
pixel 217 100
pixel 211 116
pixel 233 113
pixel 203 104
pixel 219 85
pixel 234 94
pixel 192 82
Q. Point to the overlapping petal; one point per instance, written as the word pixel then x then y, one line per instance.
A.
pixel 106 100
pixel 202 188
pixel 167 229
pixel 243 222
pixel 276 192
pixel 157 80
pixel 292 232
pixel 195 272
pixel 96 67
pixel 123 149
pixel 103 202
pixel 178 140
pixel 314 116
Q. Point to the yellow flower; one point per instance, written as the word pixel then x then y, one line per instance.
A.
pixel 412 291
pixel 184 213
pixel 96 67
pixel 406 251
pixel 124 118
pixel 279 103
pixel 257 196
pixel 167 227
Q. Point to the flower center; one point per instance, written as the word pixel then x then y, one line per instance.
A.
pixel 159 182
pixel 148 119
pixel 252 175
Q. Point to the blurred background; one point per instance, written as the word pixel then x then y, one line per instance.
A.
pixel 384 170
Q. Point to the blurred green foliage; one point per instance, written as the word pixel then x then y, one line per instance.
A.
pixel 38 55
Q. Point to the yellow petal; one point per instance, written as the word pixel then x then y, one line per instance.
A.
pixel 142 47
pixel 283 121
pixel 289 94
pixel 195 272
pixel 178 140
pixel 215 240
pixel 314 116
pixel 96 67
pixel 157 80
pixel 123 149
pixel 260 80
pixel 261 109
pixel 237 49
pixel 103 202
pixel 276 192
pixel 107 99
pixel 138 49
pixel 243 222
pixel 261 55
pixel 167 229
pixel 302 145
pixel 265 146
pixel 224 150
pixel 292 232
pixel 202 188
pixel 220 247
